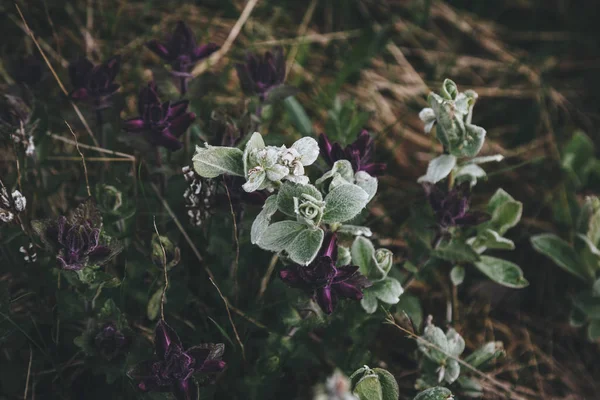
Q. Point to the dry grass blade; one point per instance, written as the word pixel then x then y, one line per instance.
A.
pixel 87 181
pixel 60 84
pixel 216 56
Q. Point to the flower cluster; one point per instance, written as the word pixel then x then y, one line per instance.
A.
pixel 359 153
pixel 181 51
pixel 174 368
pixel 326 282
pixel 76 239
pixel 94 83
pixel 267 166
pixel 160 123
pixel 451 207
pixel 11 205
pixel 260 76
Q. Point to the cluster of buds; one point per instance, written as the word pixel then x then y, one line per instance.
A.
pixel 29 253
pixel 268 166
pixel 11 206
pixel 199 196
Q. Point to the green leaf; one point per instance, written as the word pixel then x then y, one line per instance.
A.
pixel 298 116
pixel 456 344
pixel 456 252
pixel 388 290
pixel 153 308
pixel 389 386
pixel 506 212
pixel 593 330
pixel 308 148
pixel 367 183
pixel 470 387
pixel 561 253
pixel 411 306
pixel 474 138
pixel 589 254
pixel 578 158
pixel 470 173
pixel 492 240
pixel 457 275
pixel 435 393
pixel 433 335
pixel 263 219
pixel 438 168
pixel 368 388
pixel 363 255
pixel 452 371
pixel 288 191
pixel 485 354
pixel 212 161
pixel 343 203
pixel 589 304
pixel 369 302
pixel 503 272
pixel 593 232
pixel 305 246
pixel 280 235
pixel 449 89
pixel 255 142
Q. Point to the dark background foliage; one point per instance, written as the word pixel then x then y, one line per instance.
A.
pixel 357 63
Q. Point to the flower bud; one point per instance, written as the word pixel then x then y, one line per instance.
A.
pixel 384 259
pixel 171 255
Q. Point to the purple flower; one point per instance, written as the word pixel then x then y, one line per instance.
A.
pixel 173 370
pixel 94 83
pixel 161 123
pixel 359 153
pixel 324 280
pixel 260 75
pixel 76 239
pixel 109 341
pixel 181 51
pixel 451 208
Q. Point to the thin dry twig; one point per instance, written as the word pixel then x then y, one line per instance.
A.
pixel 164 263
pixel 96 148
pixel 87 181
pixel 28 372
pixel 265 280
pixel 216 56
pixel 235 331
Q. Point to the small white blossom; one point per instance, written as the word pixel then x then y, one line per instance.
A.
pixel 10 207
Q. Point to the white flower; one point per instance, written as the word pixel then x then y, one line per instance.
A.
pixel 8 209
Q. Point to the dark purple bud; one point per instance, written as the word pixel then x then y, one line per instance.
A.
pixel 110 342
pixel 174 369
pixel 326 282
pixel 160 123
pixel 76 240
pixel 258 75
pixel 180 50
pixel 359 153
pixel 94 83
pixel 451 208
